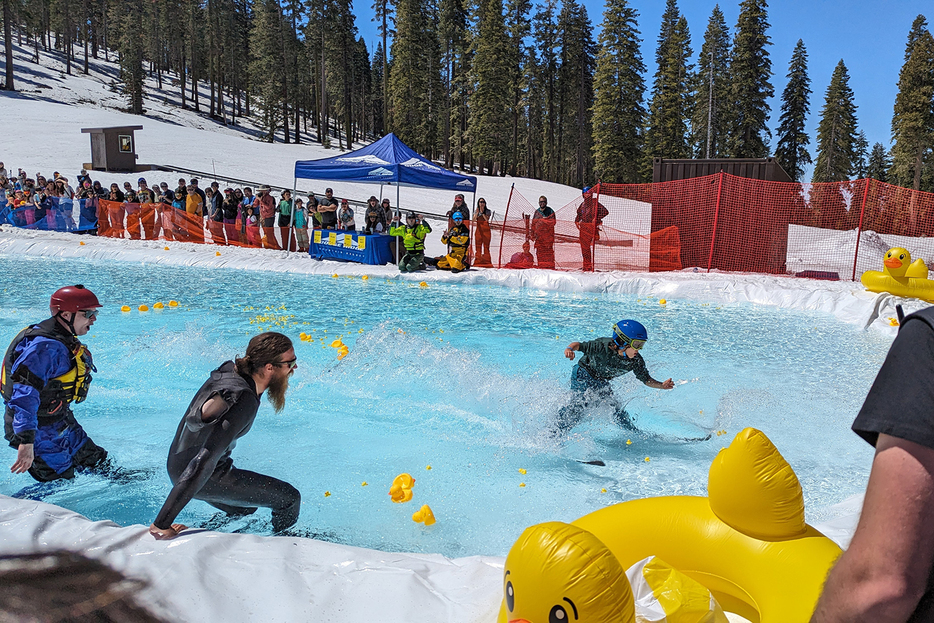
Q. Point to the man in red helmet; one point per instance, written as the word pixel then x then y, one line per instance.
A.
pixel 45 369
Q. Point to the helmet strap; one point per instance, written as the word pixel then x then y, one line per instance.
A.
pixel 68 323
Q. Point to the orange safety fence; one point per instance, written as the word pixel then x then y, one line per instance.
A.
pixel 721 222
pixel 158 221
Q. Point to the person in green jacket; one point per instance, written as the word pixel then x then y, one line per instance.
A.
pixel 413 235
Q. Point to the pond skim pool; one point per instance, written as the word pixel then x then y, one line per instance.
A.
pixel 457 385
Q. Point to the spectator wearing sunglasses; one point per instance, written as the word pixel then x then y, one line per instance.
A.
pixel 45 370
pixel 604 359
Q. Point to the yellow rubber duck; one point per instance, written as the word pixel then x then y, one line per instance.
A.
pixel 401 489
pixel 900 276
pixel 747 543
pixel 424 515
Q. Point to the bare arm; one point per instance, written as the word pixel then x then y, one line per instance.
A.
pixel 669 384
pixel 884 573
pixel 569 351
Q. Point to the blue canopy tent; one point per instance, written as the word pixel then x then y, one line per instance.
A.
pixel 387 161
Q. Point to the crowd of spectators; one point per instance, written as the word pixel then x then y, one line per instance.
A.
pixel 237 216
pixel 232 215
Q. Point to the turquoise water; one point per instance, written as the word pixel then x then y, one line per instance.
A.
pixel 466 379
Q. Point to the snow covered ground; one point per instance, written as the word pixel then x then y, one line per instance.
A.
pixel 210 576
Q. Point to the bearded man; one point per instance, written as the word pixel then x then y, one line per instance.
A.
pixel 221 412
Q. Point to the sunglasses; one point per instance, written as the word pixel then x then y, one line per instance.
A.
pixel 291 363
pixel 90 314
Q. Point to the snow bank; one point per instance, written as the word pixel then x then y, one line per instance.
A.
pixel 209 576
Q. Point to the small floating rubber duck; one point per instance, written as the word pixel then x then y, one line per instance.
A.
pixel 401 489
pixel 424 515
pixel 900 276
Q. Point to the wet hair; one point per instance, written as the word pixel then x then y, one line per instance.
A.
pixel 67 586
pixel 262 349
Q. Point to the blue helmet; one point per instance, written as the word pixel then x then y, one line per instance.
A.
pixel 630 332
pixel 457 216
pixel 584 191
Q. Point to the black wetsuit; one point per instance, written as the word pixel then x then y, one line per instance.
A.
pixel 199 461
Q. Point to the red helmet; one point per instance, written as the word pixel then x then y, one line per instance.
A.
pixel 73 299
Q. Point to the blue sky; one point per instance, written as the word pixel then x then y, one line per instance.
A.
pixel 869 36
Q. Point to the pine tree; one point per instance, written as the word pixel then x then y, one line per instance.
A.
pixel 666 134
pixel 127 19
pixel 712 88
pixel 861 164
pixel 836 132
pixel 376 99
pixel 384 17
pixel 456 55
pixel 415 77
pixel 266 65
pixel 575 89
pixel 792 150
pixel 545 32
pixel 518 28
pixel 751 70
pixel 8 45
pixel 879 163
pixel 489 101
pixel 913 118
pixel 618 113
pixel 534 104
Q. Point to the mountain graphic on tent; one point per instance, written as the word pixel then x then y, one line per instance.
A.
pixel 366 159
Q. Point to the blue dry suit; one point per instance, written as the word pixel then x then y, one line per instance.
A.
pixel 44 370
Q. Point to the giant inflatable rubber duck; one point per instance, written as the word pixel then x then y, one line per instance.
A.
pixel 747 543
pixel 900 276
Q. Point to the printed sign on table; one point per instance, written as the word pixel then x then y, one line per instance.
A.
pixel 361 242
pixel 332 239
pixel 317 236
pixel 348 241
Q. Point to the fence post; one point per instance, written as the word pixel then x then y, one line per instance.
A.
pixel 716 215
pixel 502 235
pixel 596 214
pixel 859 231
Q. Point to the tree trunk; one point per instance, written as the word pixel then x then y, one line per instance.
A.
pixel 8 44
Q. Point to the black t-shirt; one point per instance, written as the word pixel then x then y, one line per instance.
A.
pixel 901 403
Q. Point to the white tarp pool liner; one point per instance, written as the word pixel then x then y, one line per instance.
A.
pixel 210 576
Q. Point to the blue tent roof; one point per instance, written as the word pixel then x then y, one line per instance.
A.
pixel 388 160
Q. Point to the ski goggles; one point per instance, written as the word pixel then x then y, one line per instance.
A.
pixel 626 343
pixel 90 314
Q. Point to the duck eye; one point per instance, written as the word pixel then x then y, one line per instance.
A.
pixel 558 615
pixel 902 256
pixel 510 597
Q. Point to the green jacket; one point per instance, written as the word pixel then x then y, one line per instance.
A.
pixel 412 237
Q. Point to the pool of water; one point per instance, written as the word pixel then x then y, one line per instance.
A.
pixel 464 379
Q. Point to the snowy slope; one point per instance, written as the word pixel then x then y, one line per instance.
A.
pixel 42 132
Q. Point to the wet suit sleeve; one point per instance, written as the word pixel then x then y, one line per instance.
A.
pixel 641 372
pixel 40 360
pixel 229 426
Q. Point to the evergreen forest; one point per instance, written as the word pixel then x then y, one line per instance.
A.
pixel 498 87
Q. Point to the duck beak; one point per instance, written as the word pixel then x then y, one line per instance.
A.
pixel 893 263
pixel 519 621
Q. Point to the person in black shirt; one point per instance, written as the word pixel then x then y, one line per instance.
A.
pixel 886 573
pixel 222 411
